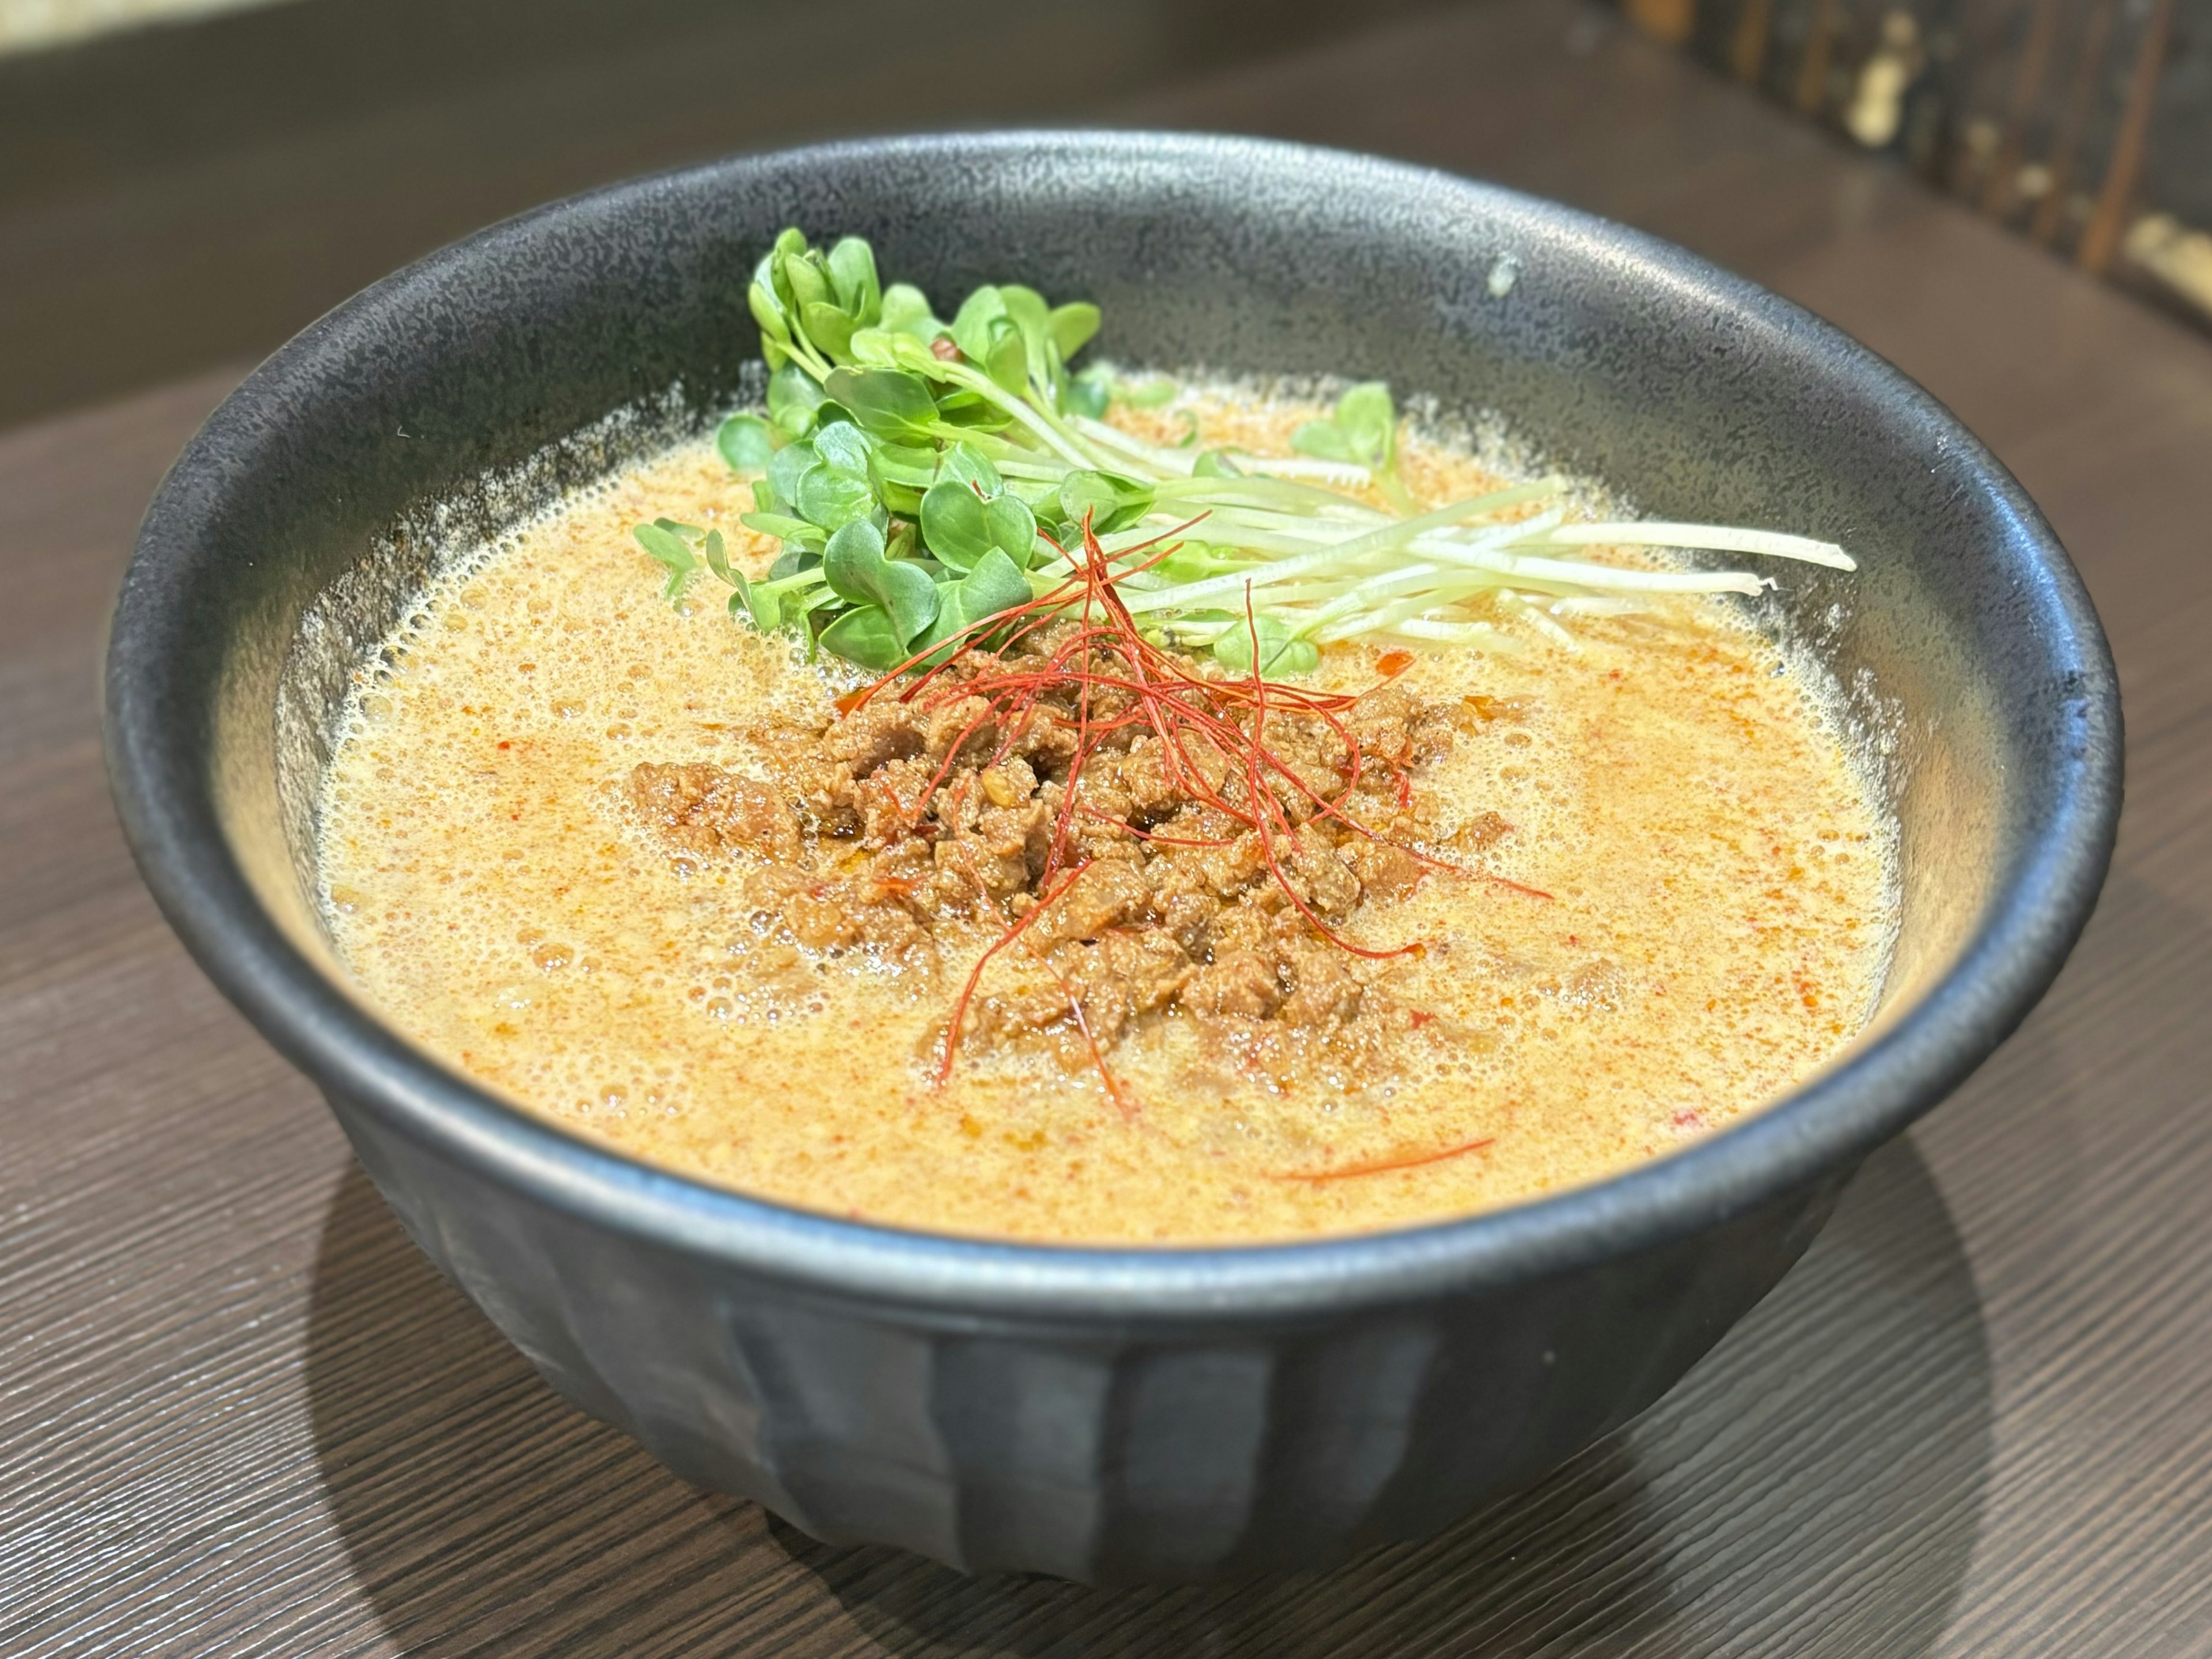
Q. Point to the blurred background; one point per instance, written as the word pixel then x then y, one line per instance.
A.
pixel 184 183
pixel 2084 124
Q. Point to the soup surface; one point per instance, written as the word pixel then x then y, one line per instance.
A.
pixel 1651 892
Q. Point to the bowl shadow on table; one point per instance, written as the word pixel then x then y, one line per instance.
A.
pixel 1821 1474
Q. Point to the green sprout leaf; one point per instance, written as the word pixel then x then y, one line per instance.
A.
pixel 883 348
pixel 889 403
pixel 783 527
pixel 744 442
pixel 663 540
pixel 835 490
pixel 663 544
pixel 866 637
pixel 995 585
pixel 1362 432
pixel 1279 654
pixel 1072 327
pixel 775 331
pixel 1096 388
pixel 973 325
pixel 1032 319
pixel 859 573
pixel 968 511
pixel 850 562
pixel 1325 440
pixel 909 467
pixel 843 445
pixel 1192 562
pixel 1007 362
pixel 1026 309
pixel 1114 502
pixel 1089 393
pixel 906 311
pixel 852 266
pixel 832 499
pixel 953 523
pixel 785 469
pixel 1012 527
pixel 800 279
pixel 1366 416
pixel 970 411
pixel 964 463
pixel 717 556
pixel 763 604
pixel 794 401
pixel 811 305
pixel 830 328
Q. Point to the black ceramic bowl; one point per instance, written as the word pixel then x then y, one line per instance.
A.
pixel 1110 1415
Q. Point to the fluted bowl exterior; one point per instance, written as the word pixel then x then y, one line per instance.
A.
pixel 1124 1449
pixel 1109 1415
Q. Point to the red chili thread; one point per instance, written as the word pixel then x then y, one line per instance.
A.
pixel 1384 1166
pixel 1121 680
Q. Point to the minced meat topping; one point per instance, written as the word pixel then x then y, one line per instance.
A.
pixel 902 818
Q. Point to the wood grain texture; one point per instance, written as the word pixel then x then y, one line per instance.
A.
pixel 239 1414
pixel 247 173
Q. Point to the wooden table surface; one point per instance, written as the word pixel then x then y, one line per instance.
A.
pixel 239 1414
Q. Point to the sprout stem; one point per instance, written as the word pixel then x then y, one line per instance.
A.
pixel 1718 538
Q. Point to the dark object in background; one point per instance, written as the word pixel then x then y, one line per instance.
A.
pixel 1111 1415
pixel 183 195
pixel 2086 125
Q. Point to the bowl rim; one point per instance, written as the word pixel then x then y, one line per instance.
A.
pixel 1825 1125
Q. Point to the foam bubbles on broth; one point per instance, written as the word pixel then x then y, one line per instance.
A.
pixel 1720 874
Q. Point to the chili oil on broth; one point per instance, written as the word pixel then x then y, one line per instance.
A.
pixel 1716 927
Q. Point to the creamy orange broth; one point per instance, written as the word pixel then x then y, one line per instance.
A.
pixel 1716 927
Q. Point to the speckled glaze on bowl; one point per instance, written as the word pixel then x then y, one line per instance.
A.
pixel 1108 1415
